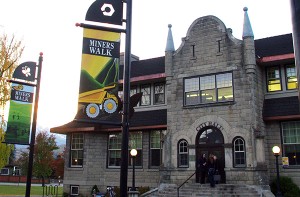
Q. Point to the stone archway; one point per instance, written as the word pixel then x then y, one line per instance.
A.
pixel 210 140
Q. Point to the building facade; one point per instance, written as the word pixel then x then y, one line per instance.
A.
pixel 215 94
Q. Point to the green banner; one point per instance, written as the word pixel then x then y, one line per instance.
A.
pixel 20 110
pixel 99 75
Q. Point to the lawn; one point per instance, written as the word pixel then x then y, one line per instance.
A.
pixel 35 190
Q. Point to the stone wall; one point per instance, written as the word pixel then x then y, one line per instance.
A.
pixel 96 172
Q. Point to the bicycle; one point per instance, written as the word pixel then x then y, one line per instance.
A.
pixel 110 191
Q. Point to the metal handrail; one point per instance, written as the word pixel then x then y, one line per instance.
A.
pixel 184 183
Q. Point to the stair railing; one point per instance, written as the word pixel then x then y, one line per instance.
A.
pixel 178 188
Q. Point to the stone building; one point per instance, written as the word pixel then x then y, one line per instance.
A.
pixel 215 94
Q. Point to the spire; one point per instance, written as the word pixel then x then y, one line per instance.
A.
pixel 247 29
pixel 170 43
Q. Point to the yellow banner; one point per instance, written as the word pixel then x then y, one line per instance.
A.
pixel 99 74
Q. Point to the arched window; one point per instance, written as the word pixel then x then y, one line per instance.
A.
pixel 183 154
pixel 239 152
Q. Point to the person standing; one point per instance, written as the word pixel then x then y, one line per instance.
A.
pixel 203 168
pixel 211 170
pixel 216 164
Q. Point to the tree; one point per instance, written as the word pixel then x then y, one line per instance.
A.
pixel 43 154
pixel 22 162
pixel 58 166
pixel 10 52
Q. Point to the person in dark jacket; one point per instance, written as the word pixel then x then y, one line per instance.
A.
pixel 216 161
pixel 203 168
pixel 211 170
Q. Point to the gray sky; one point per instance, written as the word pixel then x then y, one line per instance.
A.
pixel 49 27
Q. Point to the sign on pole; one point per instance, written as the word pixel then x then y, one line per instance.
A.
pixel 98 90
pixel 20 111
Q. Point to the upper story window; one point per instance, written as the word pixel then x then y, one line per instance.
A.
pixel 183 153
pixel 146 98
pixel 77 150
pixel 291 141
pixel 281 78
pixel 291 77
pixel 159 93
pixel 273 79
pixel 239 152
pixel 208 89
pixel 132 92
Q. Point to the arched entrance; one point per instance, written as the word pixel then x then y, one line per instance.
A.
pixel 210 140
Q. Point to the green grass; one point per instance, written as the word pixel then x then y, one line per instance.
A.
pixel 21 190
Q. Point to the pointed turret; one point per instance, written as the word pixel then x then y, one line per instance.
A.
pixel 249 49
pixel 170 43
pixel 247 29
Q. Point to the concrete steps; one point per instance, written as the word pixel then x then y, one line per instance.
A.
pixel 197 190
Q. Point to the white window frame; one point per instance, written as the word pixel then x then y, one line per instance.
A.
pixel 240 151
pixel 78 148
pixel 183 151
pixel 71 190
pixel 5 169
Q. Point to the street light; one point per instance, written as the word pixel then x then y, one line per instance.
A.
pixel 276 151
pixel 133 154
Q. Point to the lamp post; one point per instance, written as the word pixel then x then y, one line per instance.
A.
pixel 133 154
pixel 276 151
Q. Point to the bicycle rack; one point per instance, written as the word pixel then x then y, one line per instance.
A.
pixel 50 191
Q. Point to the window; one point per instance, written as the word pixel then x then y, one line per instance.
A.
pixel 291 77
pixel 132 92
pixel 239 153
pixel 4 171
pixel 291 141
pixel 74 190
pixel 208 89
pixel 183 153
pixel 146 90
pixel 156 147
pixel 114 149
pixel 273 79
pixel 115 144
pixel 77 150
pixel 135 142
pixel 159 93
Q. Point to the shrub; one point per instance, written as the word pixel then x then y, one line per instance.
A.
pixel 95 189
pixel 143 189
pixel 287 187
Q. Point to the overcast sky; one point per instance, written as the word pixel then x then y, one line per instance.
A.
pixel 49 27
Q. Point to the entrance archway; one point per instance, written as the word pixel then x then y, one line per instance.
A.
pixel 210 140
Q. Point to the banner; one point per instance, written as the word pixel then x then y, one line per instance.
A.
pixel 19 119
pixel 99 75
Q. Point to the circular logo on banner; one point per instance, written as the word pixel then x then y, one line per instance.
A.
pixel 106 11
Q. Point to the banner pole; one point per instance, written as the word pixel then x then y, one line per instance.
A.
pixel 33 128
pixel 126 92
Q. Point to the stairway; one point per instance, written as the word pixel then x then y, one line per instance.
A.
pixel 197 190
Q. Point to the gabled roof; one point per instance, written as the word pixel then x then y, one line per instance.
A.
pixel 155 119
pixel 277 45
